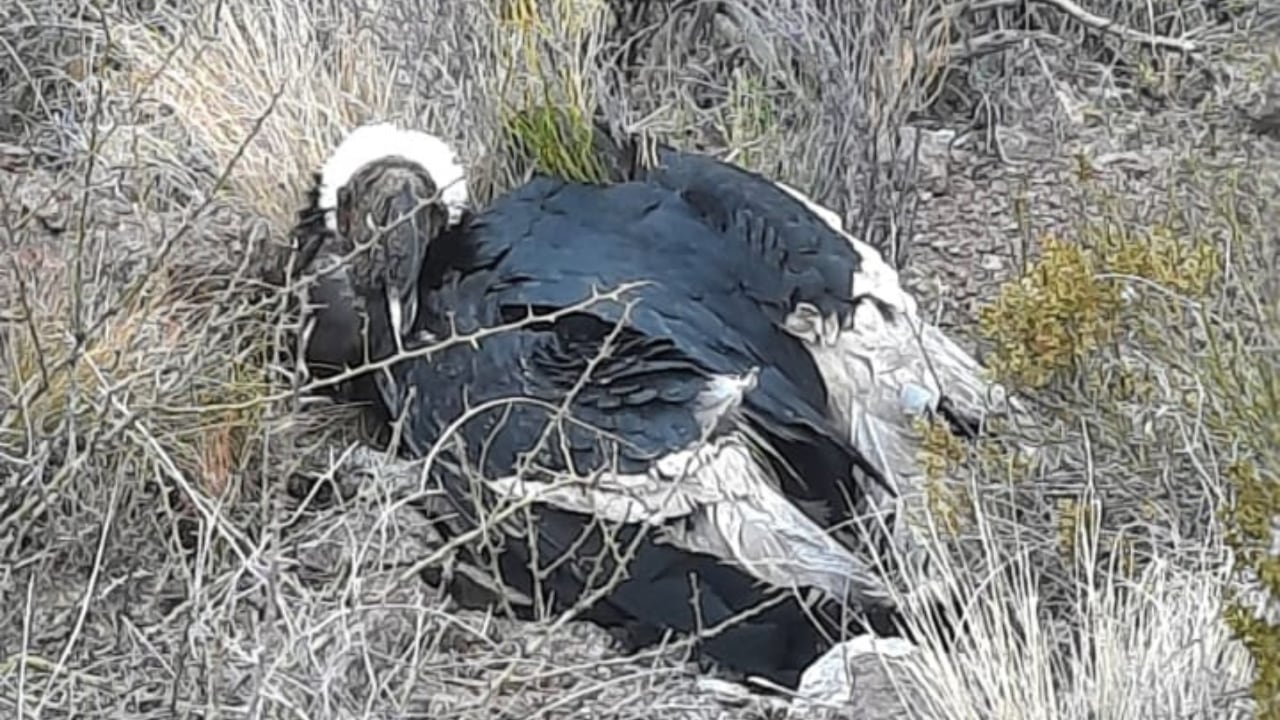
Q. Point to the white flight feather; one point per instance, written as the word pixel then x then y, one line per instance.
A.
pixel 882 373
pixel 715 497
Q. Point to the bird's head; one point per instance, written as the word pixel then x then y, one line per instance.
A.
pixel 387 192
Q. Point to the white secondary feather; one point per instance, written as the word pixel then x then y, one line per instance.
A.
pixel 882 373
pixel 833 679
pixel 716 497
pixel 377 141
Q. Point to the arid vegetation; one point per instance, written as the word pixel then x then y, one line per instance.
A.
pixel 1086 192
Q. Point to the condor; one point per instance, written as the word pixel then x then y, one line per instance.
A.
pixel 688 453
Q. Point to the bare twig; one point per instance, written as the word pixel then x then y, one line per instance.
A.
pixel 1097 22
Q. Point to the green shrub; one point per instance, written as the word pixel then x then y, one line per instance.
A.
pixel 1130 319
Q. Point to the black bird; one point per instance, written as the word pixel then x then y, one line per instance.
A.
pixel 712 433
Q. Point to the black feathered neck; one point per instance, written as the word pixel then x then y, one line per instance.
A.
pixel 310 232
pixel 454 252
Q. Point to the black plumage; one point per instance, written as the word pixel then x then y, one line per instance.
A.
pixel 819 265
pixel 636 407
pixel 551 244
pixel 708 353
pixel 769 229
pixel 546 247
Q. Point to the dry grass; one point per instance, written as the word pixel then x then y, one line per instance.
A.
pixel 166 553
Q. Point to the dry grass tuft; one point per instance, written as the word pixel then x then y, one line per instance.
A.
pixel 245 85
pixel 1141 644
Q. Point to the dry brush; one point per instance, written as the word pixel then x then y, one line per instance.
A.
pixel 161 558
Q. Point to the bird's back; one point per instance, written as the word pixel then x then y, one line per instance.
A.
pixel 550 244
pixel 771 229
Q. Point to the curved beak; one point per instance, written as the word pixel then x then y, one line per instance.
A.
pixel 409 244
pixel 403 312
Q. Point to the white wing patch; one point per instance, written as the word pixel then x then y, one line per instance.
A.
pixel 717 498
pixel 376 141
pixel 882 373
pixel 721 399
pixel 905 352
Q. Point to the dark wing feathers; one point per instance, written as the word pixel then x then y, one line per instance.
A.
pixel 550 244
pixel 640 412
pixel 700 282
pixel 816 263
pixel 648 407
